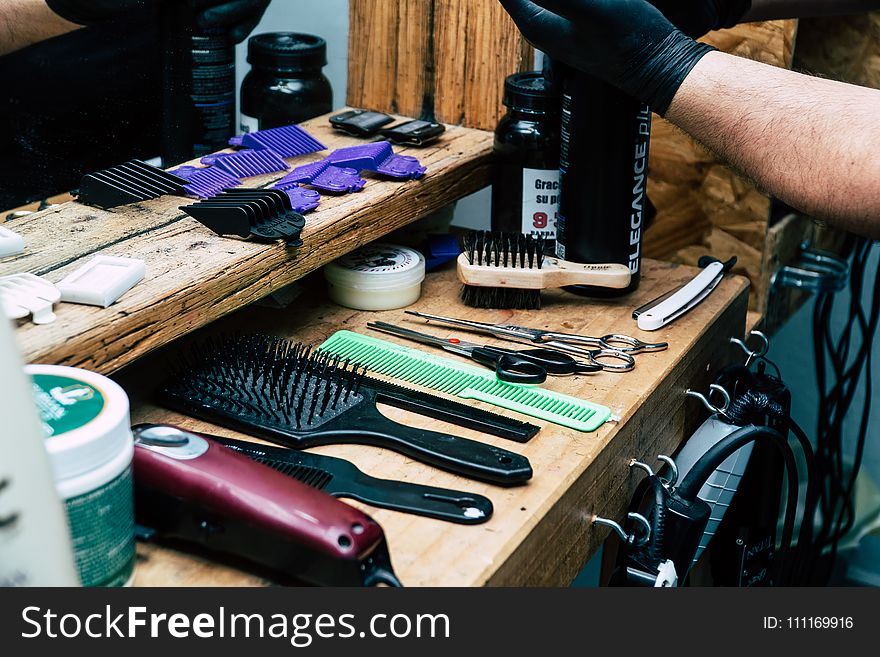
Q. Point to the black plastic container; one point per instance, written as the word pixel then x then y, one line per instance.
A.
pixel 285 84
pixel 525 186
pixel 603 168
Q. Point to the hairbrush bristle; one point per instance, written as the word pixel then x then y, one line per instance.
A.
pixel 265 379
pixel 500 298
pixel 496 249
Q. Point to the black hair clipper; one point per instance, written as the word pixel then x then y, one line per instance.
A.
pixel 192 489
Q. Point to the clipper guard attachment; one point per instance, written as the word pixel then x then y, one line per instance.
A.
pixel 339 171
pixel 286 141
pixel 206 182
pixel 245 164
pixel 264 214
pixel 131 182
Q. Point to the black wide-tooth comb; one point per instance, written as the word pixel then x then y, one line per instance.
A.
pixel 282 391
pixel 341 478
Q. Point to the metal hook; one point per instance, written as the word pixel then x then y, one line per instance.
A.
pixel 670 481
pixel 707 403
pixel 641 466
pixel 752 355
pixel 630 539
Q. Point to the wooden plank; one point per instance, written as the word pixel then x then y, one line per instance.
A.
pixel 194 276
pixel 703 206
pixel 540 533
pixel 390 53
pixel 476 46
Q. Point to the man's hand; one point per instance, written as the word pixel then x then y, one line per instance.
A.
pixel 628 43
pixel 697 17
pixel 236 17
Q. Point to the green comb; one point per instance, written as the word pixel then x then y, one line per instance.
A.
pixel 466 381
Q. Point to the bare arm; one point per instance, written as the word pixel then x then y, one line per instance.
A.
pixel 813 143
pixel 25 22
pixel 766 10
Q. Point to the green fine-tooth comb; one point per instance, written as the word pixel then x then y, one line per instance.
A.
pixel 466 381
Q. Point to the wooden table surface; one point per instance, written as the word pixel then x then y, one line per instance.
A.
pixel 193 275
pixel 541 532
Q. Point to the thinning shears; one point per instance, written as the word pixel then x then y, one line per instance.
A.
pixel 613 352
pixel 512 366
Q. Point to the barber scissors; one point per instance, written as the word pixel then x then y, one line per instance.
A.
pixel 609 348
pixel 512 366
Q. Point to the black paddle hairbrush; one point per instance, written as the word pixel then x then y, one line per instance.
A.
pixel 282 391
pixel 509 270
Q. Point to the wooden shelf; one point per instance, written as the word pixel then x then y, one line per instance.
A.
pixel 540 533
pixel 194 276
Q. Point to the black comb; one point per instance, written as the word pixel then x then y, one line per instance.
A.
pixel 264 214
pixel 341 478
pixel 282 391
pixel 497 249
pixel 128 183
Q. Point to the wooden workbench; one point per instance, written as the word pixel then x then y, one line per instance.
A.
pixel 193 275
pixel 540 533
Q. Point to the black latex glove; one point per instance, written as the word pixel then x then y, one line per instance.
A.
pixel 628 43
pixel 697 17
pixel 236 17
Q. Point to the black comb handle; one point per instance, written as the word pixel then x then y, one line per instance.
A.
pixel 342 478
pixel 365 424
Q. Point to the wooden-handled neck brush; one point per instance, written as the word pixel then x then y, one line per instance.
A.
pixel 509 270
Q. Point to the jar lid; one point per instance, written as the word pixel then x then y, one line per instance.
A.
pixel 377 267
pixel 287 51
pixel 84 416
pixel 530 90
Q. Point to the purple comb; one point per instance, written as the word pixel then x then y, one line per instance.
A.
pixel 302 174
pixel 339 180
pixel 301 199
pixel 245 164
pixel 287 141
pixel 401 167
pixel 364 157
pixel 205 183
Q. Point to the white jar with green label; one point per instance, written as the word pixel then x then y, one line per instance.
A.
pixel 86 420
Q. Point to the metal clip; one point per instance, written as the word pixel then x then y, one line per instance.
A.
pixel 815 271
pixel 629 539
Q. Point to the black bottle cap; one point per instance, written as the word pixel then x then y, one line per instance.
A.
pixel 287 51
pixel 530 91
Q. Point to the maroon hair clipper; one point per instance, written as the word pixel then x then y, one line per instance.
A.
pixel 192 489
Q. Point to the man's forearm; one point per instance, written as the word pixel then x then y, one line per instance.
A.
pixel 25 22
pixel 766 10
pixel 813 143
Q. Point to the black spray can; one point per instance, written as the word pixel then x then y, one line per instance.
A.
pixel 603 172
pixel 199 86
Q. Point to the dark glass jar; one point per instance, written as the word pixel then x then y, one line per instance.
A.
pixel 285 84
pixel 525 186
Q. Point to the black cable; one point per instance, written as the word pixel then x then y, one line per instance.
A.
pixel 840 368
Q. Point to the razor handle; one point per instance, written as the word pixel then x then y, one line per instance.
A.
pixel 192 489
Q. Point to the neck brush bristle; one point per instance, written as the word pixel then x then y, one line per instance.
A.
pixel 496 249
pixel 263 379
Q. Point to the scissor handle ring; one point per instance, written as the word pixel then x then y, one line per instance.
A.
pixel 615 354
